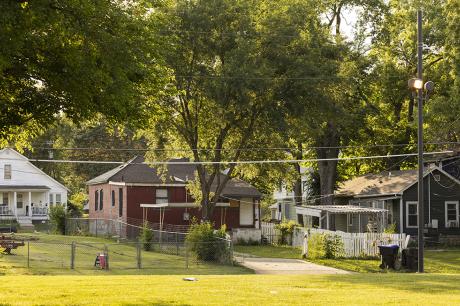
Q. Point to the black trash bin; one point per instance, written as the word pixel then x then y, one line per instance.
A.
pixel 389 255
pixel 409 259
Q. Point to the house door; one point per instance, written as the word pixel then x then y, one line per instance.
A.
pixel 246 213
pixel 20 204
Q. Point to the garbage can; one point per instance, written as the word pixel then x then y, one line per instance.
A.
pixel 409 259
pixel 389 254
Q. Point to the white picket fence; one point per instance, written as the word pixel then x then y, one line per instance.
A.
pixel 355 244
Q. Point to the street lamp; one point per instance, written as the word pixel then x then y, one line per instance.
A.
pixel 417 85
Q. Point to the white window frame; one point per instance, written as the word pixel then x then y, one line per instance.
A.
pixel 56 198
pixel 162 198
pixel 7 174
pixel 445 210
pixel 407 214
pixel 51 198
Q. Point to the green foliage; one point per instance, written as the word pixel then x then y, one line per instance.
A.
pixel 146 236
pixel 286 228
pixel 325 246
pixel 58 215
pixel 208 244
pixel 391 229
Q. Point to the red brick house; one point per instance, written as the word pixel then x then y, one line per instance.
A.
pixel 119 193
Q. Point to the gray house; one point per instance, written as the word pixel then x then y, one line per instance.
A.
pixel 396 192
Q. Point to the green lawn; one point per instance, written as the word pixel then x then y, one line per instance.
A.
pixel 50 254
pixel 436 261
pixel 357 289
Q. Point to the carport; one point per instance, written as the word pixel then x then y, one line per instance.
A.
pixel 346 218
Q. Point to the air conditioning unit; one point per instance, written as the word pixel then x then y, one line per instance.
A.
pixel 434 223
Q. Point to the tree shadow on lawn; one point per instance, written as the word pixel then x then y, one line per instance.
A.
pixel 417 283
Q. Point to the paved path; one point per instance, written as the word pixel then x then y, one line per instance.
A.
pixel 286 266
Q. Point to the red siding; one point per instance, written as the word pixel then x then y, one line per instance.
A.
pixel 136 195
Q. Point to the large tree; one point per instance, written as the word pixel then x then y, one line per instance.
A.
pixel 78 57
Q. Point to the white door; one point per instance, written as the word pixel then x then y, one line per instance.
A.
pixel 20 204
pixel 246 213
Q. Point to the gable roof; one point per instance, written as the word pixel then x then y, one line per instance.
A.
pixel 136 171
pixel 384 183
pixel 39 171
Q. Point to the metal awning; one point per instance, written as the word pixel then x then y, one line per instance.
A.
pixel 177 205
pixel 316 210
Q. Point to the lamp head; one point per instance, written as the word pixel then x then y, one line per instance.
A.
pixel 415 84
pixel 429 86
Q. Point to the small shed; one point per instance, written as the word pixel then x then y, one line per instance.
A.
pixel 346 218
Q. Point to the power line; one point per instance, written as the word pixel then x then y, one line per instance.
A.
pixel 233 162
pixel 241 149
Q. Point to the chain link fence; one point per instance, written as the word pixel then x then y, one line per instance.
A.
pixel 114 245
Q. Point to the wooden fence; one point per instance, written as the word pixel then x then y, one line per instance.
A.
pixel 269 233
pixel 354 244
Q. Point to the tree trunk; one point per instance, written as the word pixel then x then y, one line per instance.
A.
pixel 298 183
pixel 328 169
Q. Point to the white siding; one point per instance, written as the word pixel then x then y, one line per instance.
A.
pixel 24 173
pixel 246 212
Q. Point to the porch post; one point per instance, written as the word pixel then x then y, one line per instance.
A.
pixel 327 220
pixel 15 204
pixel 359 223
pixel 30 204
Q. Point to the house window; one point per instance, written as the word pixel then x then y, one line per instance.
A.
pixel 58 199
pixel 412 214
pixel 161 196
pixel 19 201
pixel 350 220
pixel 5 198
pixel 452 214
pixel 96 200
pixel 7 172
pixel 113 198
pixel 120 202
pixel 101 199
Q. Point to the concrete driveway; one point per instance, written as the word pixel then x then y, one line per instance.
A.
pixel 286 266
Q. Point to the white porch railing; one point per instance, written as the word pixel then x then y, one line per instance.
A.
pixel 39 211
pixel 5 211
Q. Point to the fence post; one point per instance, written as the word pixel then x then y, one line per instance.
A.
pixel 139 256
pixel 72 255
pixel 186 255
pixel 28 255
pixel 177 243
pixel 106 252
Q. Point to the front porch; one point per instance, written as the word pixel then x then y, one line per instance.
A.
pixel 24 203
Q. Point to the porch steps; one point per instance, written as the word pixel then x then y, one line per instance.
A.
pixel 25 223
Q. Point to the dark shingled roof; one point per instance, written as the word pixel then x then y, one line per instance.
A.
pixel 136 172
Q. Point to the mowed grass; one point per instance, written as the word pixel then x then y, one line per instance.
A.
pixel 51 254
pixel 436 261
pixel 355 289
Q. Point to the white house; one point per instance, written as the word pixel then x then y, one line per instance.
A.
pixel 26 192
pixel 284 208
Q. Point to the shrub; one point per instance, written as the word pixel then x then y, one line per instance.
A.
pixel 58 216
pixel 146 236
pixel 249 241
pixel 391 229
pixel 286 229
pixel 325 246
pixel 208 244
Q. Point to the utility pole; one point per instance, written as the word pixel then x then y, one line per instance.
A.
pixel 420 206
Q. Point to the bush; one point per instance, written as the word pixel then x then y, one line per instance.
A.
pixel 249 241
pixel 391 229
pixel 58 215
pixel 208 244
pixel 146 236
pixel 325 246
pixel 286 229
